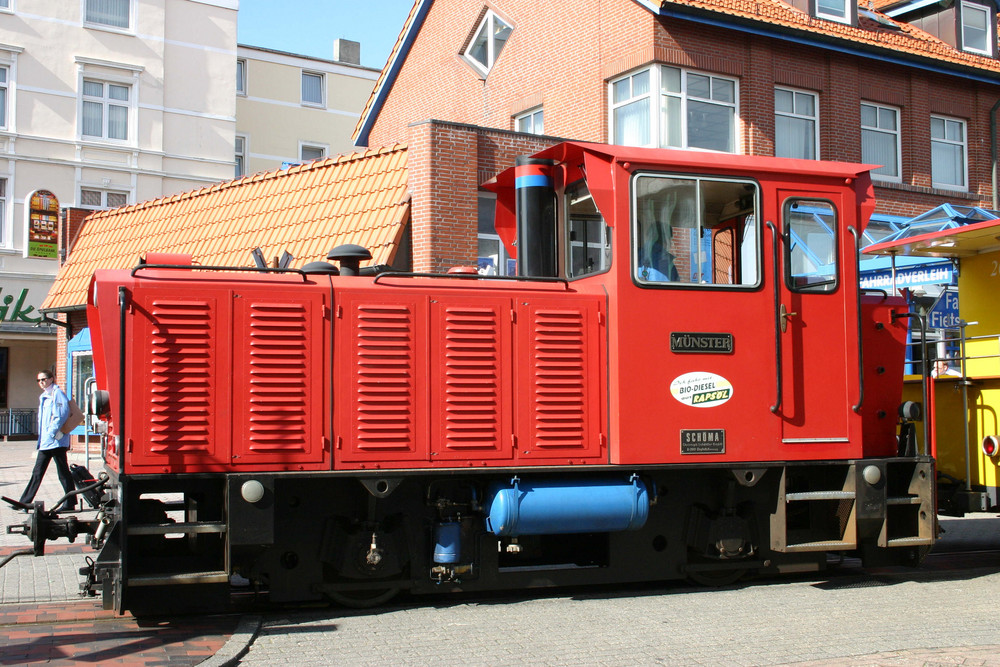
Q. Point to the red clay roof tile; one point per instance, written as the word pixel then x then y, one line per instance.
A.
pixel 307 210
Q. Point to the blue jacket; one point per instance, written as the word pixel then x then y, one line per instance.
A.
pixel 53 409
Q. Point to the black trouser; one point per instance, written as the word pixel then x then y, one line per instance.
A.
pixel 41 465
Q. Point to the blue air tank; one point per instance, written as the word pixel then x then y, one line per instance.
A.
pixel 552 507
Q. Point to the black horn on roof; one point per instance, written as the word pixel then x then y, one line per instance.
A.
pixel 350 257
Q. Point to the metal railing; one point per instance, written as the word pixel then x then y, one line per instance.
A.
pixel 18 421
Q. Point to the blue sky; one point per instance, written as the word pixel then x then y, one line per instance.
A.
pixel 309 27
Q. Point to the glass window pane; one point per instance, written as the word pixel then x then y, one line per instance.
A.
pixel 3 107
pixel 710 126
pixel 640 83
pixel 671 122
pixel 836 8
pixel 937 128
pixel 794 137
pixel 479 49
pixel 93 119
pixel 723 90
pixel 93 89
pixel 805 104
pixel 887 119
pixel 699 86
pixel 539 123
pixel 632 124
pixel 621 90
pixel 108 12
pixel 879 148
pixel 811 250
pixel 119 93
pixel 975 28
pixel 947 164
pixel 869 115
pixel 670 79
pixel 783 101
pixel 117 122
pixel 312 88
pixel 116 199
pixel 501 31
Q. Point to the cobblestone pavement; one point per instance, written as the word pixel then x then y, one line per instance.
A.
pixel 897 620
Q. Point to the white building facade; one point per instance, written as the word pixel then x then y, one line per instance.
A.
pixel 103 103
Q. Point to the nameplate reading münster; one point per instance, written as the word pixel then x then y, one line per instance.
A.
pixel 708 343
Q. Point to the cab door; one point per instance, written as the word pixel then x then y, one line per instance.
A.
pixel 814 312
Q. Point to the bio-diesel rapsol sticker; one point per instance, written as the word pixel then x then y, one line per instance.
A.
pixel 702 390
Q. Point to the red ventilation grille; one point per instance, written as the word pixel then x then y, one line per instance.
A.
pixel 474 355
pixel 182 363
pixel 385 377
pixel 279 376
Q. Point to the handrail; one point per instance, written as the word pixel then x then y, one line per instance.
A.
pixel 777 315
pixel 861 348
pixel 200 267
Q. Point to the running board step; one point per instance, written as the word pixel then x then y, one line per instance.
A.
pixel 179 579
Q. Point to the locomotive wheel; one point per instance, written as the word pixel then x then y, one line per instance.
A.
pixel 362 599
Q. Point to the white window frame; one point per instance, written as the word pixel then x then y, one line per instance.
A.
pixel 7 6
pixel 240 150
pixel 241 77
pixel 5 94
pixel 974 8
pixel 322 89
pixel 130 28
pixel 657 97
pixel 104 198
pixel 107 102
pixel 487 26
pixel 845 18
pixel 878 129
pixel 796 114
pixel 533 120
pixel 303 145
pixel 5 211
pixel 118 74
pixel 944 142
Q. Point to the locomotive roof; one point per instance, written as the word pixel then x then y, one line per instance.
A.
pixel 361 198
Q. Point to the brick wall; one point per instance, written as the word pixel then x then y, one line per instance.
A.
pixel 564 61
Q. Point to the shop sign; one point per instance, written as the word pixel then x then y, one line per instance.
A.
pixel 16 307
pixel 43 225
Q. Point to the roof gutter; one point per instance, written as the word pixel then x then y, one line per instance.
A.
pixel 391 72
pixel 756 28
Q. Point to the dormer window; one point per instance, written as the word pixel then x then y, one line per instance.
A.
pixel 489 39
pixel 977 28
pixel 834 10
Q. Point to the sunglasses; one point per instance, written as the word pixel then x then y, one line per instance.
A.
pixel 44 379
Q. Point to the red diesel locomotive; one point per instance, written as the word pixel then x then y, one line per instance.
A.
pixel 684 380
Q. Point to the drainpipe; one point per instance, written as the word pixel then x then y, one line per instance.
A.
pixel 993 151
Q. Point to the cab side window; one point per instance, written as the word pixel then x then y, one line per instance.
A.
pixel 810 245
pixel 589 238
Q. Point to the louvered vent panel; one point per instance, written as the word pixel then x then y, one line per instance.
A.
pixel 278 346
pixel 385 377
pixel 181 365
pixel 472 378
pixel 559 379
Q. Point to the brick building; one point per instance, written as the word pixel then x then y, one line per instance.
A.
pixel 910 85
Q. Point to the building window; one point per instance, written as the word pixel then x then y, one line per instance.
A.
pixel 113 13
pixel 532 122
pixel 309 152
pixel 880 140
pixel 241 156
pixel 3 97
pixel 693 110
pixel 105 110
pixel 312 88
pixel 977 28
pixel 4 4
pixel 796 123
pixel 833 10
pixel 241 76
pixel 102 198
pixel 948 150
pixel 493 257
pixel 490 37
